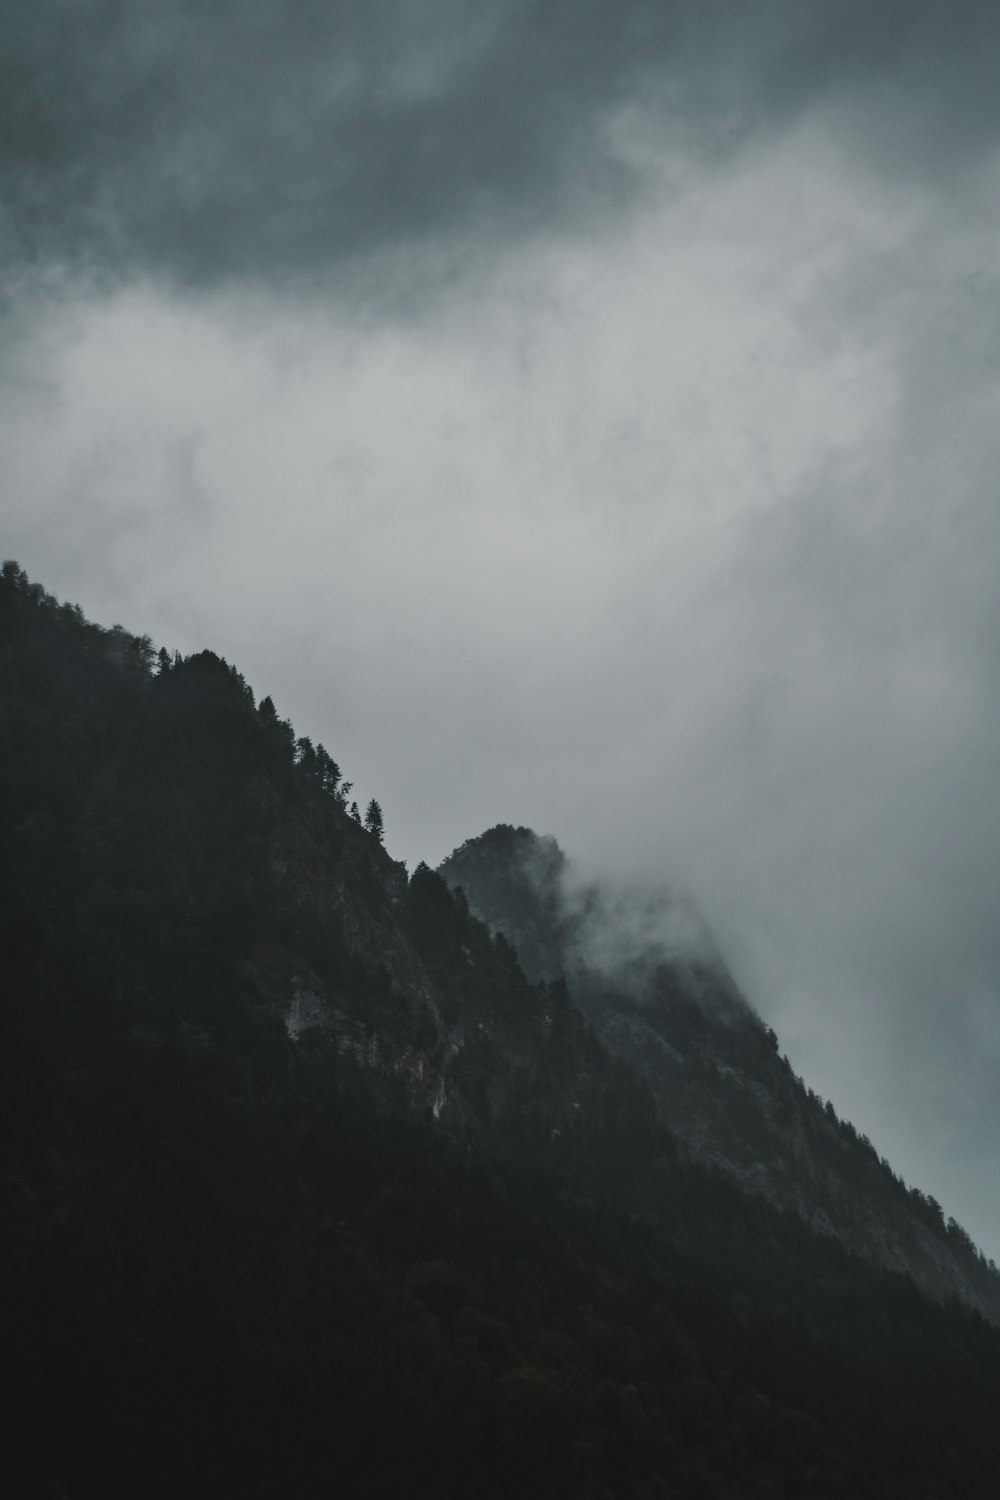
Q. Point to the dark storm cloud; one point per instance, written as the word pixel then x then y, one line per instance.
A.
pixel 255 139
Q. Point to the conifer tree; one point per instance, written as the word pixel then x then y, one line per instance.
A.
pixel 373 820
pixel 327 770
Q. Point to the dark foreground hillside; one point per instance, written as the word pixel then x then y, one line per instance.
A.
pixel 307 1190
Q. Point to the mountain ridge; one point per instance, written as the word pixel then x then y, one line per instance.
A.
pixel 674 1011
pixel 295 1157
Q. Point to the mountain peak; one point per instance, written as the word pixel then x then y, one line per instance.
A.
pixel 642 965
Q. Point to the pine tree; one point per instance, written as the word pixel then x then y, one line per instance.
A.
pixel 373 820
pixel 327 770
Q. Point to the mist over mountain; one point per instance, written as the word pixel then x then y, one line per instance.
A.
pixel 646 973
pixel 566 416
pixel 523 885
pixel 609 391
pixel 310 1182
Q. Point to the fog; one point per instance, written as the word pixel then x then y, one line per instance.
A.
pixel 578 418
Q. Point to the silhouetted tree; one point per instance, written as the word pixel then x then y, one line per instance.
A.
pixel 305 754
pixel 327 770
pixel 373 820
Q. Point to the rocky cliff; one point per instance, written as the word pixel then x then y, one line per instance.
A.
pixel 656 990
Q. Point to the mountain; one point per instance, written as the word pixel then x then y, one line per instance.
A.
pixel 651 982
pixel 309 1183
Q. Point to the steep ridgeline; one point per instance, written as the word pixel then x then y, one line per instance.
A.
pixel 651 983
pixel 308 1188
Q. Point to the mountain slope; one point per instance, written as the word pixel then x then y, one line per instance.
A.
pixel 658 994
pixel 306 1185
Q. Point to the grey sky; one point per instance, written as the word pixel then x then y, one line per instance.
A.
pixel 257 138
pixel 580 415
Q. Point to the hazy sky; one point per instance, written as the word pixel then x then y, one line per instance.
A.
pixel 578 414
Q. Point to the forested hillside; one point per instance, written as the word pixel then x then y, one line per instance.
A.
pixel 308 1189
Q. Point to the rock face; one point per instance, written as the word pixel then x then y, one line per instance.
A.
pixel 658 994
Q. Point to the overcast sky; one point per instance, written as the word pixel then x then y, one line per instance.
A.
pixel 578 414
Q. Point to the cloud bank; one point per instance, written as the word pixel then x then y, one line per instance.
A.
pixel 572 415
